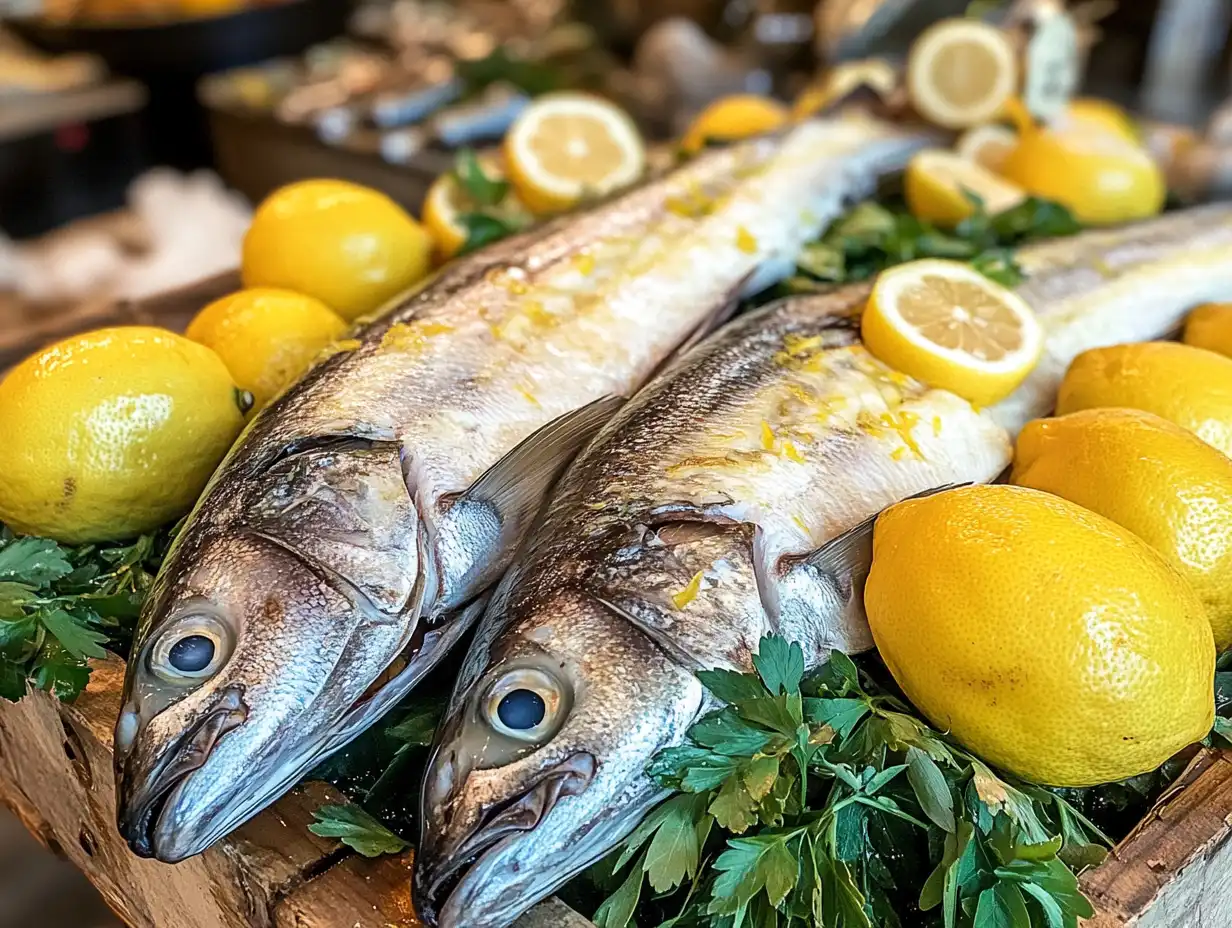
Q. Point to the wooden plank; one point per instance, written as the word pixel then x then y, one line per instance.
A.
pixel 1174 870
pixel 56 775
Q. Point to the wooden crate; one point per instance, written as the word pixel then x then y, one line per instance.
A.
pixel 56 775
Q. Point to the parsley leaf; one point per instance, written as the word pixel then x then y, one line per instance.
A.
pixel 62 606
pixel 357 830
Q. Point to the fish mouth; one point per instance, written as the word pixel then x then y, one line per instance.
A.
pixel 442 883
pixel 141 816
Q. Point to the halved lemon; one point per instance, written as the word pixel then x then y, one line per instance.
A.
pixel 735 117
pixel 841 80
pixel 960 72
pixel 566 147
pixel 934 185
pixel 986 145
pixel 949 326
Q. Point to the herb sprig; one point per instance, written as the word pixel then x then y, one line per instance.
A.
pixel 873 237
pixel 493 214
pixel 811 801
pixel 61 606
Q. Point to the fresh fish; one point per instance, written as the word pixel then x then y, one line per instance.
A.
pixel 731 498
pixel 349 539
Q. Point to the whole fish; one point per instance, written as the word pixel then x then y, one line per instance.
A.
pixel 729 499
pixel 350 537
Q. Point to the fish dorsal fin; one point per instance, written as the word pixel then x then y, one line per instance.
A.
pixel 501 505
pixel 821 594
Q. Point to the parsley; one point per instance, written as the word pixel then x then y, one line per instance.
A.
pixel 61 606
pixel 357 830
pixel 872 237
pixel 820 799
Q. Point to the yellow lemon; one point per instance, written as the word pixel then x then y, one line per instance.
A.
pixel 1189 386
pixel 841 81
pixel 566 147
pixel 960 73
pixel 1210 327
pixel 1049 640
pixel 1163 483
pixel 266 337
pixel 936 184
pixel 112 433
pixel 986 145
pixel 948 325
pixel 1100 177
pixel 733 118
pixel 1101 114
pixel 352 248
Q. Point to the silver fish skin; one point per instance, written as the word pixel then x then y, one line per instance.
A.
pixel 350 537
pixel 731 498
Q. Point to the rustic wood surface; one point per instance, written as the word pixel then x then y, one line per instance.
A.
pixel 56 775
pixel 1175 869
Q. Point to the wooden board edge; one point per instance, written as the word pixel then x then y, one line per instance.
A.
pixel 1189 824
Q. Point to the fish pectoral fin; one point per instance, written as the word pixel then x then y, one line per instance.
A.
pixel 821 594
pixel 510 493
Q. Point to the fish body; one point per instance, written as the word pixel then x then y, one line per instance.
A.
pixel 731 498
pixel 351 535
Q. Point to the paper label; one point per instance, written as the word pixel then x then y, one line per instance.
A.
pixel 1051 65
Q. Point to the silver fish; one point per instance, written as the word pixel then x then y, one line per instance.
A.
pixel 729 499
pixel 350 537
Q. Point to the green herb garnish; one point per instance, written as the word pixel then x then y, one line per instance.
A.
pixel 825 802
pixel 357 830
pixel 872 237
pixel 494 216
pixel 61 606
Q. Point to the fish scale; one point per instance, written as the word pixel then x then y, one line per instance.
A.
pixel 732 497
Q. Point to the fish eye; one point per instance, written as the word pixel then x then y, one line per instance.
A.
pixel 192 649
pixel 525 704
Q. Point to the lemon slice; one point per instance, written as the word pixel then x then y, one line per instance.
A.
pixel 934 185
pixel 987 145
pixel 732 118
pixel 960 72
pixel 841 80
pixel 565 147
pixel 946 324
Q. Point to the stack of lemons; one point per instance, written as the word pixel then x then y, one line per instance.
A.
pixel 122 427
pixel 1065 626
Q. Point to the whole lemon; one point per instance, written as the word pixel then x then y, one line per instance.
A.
pixel 112 433
pixel 1163 483
pixel 1100 177
pixel 352 248
pixel 1210 327
pixel 266 337
pixel 732 118
pixel 1049 640
pixel 1189 386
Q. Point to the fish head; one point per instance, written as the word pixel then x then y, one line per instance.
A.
pixel 248 664
pixel 539 766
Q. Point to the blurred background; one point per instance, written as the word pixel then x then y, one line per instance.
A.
pixel 136 135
